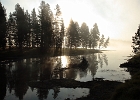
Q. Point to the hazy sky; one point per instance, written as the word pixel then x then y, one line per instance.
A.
pixel 118 19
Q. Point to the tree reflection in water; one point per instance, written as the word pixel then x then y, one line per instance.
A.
pixel 72 62
pixel 93 63
pixel 102 58
pixel 42 93
pixel 21 77
pixel 2 82
pixel 56 91
pixel 15 75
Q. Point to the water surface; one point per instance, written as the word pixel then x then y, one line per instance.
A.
pixel 17 73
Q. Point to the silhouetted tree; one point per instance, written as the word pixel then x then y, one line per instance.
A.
pixel 11 31
pixel 45 14
pixel 101 41
pixel 84 34
pixel 62 32
pixel 21 25
pixel 73 34
pixel 106 43
pixel 45 30
pixel 3 27
pixel 35 30
pixel 90 39
pixel 77 34
pixel 94 36
pixel 27 28
pixel 136 41
pixel 59 28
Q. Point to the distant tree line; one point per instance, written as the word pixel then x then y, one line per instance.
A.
pixel 45 30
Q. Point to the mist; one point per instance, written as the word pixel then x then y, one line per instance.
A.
pixel 120 45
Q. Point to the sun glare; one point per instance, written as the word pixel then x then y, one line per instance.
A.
pixel 78 11
pixel 81 11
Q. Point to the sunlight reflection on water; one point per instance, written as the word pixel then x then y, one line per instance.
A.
pixel 64 61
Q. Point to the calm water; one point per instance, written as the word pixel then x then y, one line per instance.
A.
pixel 17 74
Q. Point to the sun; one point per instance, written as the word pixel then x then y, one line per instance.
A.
pixel 78 11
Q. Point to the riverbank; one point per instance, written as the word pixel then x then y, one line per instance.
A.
pixel 35 52
pixel 99 89
pixel 131 89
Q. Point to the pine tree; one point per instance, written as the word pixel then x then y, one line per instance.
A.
pixel 90 39
pixel 77 34
pixel 106 43
pixel 3 27
pixel 58 28
pixel 11 31
pixel 62 33
pixel 94 36
pixel 36 35
pixel 101 41
pixel 73 33
pixel 136 41
pixel 27 28
pixel 21 25
pixel 84 34
pixel 45 15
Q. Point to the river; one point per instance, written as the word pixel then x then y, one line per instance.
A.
pixel 17 73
